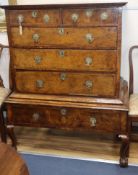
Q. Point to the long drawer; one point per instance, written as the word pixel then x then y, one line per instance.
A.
pixel 56 117
pixel 89 38
pixel 63 59
pixel 70 83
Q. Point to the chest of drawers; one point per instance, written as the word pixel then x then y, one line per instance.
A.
pixel 65 68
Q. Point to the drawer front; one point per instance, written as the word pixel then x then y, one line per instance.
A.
pixel 35 18
pixel 56 117
pixel 100 120
pixel 62 59
pixel 90 17
pixel 97 37
pixel 45 116
pixel 66 83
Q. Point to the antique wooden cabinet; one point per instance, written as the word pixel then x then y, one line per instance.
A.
pixel 65 68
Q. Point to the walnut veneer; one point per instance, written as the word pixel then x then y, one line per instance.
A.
pixel 65 68
pixel 11 162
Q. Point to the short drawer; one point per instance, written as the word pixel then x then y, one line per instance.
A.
pixel 96 37
pixel 90 17
pixel 70 83
pixel 63 59
pixel 36 18
pixel 56 117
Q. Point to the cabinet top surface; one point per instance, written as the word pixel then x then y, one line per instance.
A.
pixel 43 6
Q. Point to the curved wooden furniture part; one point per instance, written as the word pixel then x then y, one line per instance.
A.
pixel 4 92
pixel 133 102
pixel 11 163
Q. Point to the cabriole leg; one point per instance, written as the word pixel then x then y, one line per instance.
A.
pixel 124 150
pixel 2 128
pixel 11 134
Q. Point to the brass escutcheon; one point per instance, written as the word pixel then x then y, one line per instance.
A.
pixel 74 17
pixel 36 37
pixel 61 53
pixel 61 31
pixel 34 14
pixel 63 111
pixel 63 76
pixel 104 16
pixel 46 18
pixel 36 116
pixel 20 18
pixel 88 61
pixel 89 12
pixel 89 38
pixel 37 59
pixel 93 121
pixel 39 83
pixel 88 84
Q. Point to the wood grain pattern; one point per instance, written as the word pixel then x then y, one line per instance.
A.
pixel 56 83
pixel 49 6
pixel 78 145
pixel 104 38
pixel 11 162
pixel 106 121
pixel 93 20
pixel 120 104
pixel 74 83
pixel 51 59
pixel 119 41
pixel 38 21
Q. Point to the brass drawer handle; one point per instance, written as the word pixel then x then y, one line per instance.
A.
pixel 46 18
pixel 37 59
pixel 36 37
pixel 92 121
pixel 88 84
pixel 89 12
pixel 61 31
pixel 20 19
pixel 61 53
pixel 63 111
pixel 88 61
pixel 89 37
pixel 36 116
pixel 74 17
pixel 34 14
pixel 39 83
pixel 63 76
pixel 104 16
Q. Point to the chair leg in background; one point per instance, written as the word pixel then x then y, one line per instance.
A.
pixel 11 134
pixel 3 132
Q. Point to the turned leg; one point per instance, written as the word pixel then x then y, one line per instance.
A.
pixel 2 128
pixel 124 150
pixel 10 131
pixel 10 126
pixel 129 127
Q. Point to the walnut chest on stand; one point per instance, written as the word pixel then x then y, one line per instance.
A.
pixel 65 69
